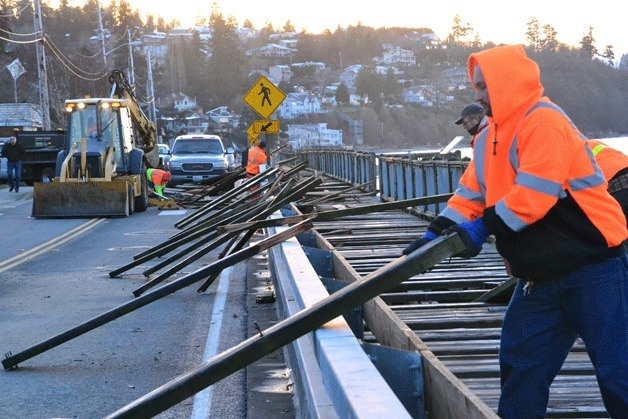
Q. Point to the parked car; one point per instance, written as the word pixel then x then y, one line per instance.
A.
pixel 3 164
pixel 195 158
pixel 164 155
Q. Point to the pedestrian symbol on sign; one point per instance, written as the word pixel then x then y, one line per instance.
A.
pixel 266 92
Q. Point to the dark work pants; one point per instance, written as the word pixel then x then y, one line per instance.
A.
pixel 14 174
pixel 541 327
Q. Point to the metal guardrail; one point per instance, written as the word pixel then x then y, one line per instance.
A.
pixel 396 178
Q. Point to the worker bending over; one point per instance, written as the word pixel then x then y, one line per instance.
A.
pixel 159 179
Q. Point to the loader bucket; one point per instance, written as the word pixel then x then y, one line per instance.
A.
pixel 81 199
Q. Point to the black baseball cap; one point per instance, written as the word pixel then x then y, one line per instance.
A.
pixel 472 109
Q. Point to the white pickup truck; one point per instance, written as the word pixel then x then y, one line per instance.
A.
pixel 195 158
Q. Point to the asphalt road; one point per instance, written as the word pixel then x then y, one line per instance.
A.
pixel 48 286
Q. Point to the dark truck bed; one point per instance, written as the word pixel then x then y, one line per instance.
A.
pixel 40 159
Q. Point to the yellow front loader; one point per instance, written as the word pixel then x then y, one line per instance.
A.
pixel 102 170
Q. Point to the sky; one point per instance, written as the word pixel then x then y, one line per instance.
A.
pixel 497 21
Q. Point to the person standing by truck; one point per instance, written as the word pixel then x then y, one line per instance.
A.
pixel 14 153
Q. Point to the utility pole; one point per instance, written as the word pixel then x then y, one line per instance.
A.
pixel 102 33
pixel 41 66
pixel 150 90
pixel 131 69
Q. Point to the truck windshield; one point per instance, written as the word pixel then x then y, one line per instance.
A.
pixel 197 146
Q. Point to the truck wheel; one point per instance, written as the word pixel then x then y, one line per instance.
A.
pixel 141 201
pixel 47 175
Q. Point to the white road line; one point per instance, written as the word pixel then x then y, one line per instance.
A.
pixel 49 245
pixel 203 399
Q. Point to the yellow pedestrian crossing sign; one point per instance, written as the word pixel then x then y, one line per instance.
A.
pixel 264 97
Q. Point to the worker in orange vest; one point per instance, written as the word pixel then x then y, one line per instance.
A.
pixel 159 179
pixel 614 164
pixel 257 156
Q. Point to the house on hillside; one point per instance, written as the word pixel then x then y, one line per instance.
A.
pixel 421 95
pixel 313 136
pixel 271 51
pixel 222 116
pixel 349 75
pixel 457 76
pixel 196 123
pixel 280 73
pixel 396 55
pixel 180 101
pixel 296 104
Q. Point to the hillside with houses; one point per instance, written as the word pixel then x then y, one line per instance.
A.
pixel 356 86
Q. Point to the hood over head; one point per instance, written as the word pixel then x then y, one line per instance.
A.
pixel 513 80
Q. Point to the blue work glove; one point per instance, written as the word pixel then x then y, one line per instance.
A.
pixel 420 242
pixel 473 235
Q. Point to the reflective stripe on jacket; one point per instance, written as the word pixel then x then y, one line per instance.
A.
pixel 533 178
pixel 256 157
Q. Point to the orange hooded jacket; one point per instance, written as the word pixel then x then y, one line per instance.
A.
pixel 611 161
pixel 256 156
pixel 533 179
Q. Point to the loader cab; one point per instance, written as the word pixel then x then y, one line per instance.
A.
pixel 100 123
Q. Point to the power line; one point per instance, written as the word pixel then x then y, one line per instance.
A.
pixel 62 59
pixel 18 34
pixel 32 41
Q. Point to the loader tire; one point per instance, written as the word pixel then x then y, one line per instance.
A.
pixel 141 201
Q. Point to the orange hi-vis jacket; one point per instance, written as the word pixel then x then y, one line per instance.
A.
pixel 533 178
pixel 610 160
pixel 256 157
pixel 156 176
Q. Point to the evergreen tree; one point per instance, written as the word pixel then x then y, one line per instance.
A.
pixel 392 88
pixel 609 55
pixel 587 45
pixel 342 94
pixel 288 27
pixel 194 67
pixel 370 85
pixel 459 31
pixel 550 39
pixel 623 62
pixel 226 67
pixel 533 36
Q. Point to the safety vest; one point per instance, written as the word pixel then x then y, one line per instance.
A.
pixel 256 157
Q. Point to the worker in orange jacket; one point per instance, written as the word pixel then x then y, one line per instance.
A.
pixel 614 165
pixel 256 156
pixel 159 179
pixel 534 184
